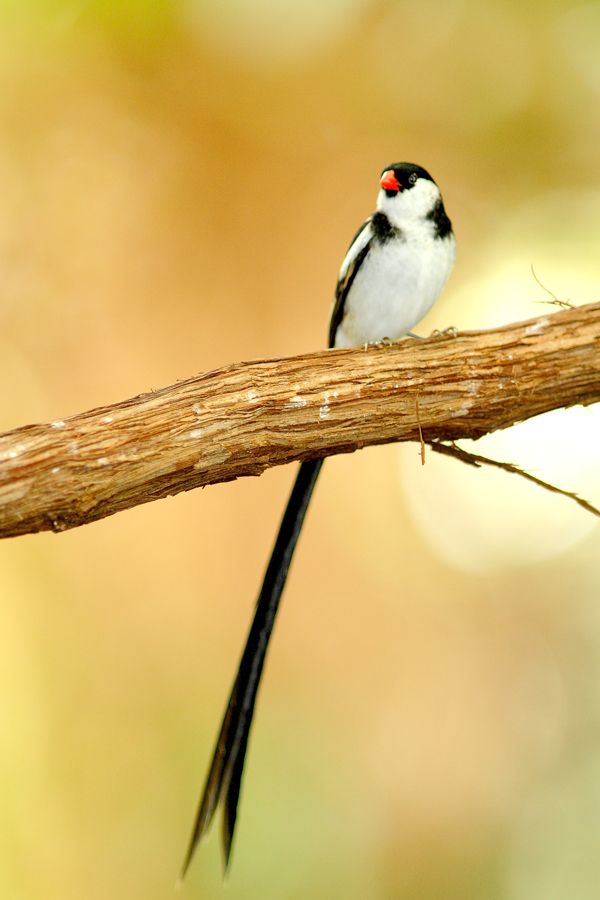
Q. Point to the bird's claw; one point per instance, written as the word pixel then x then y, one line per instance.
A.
pixel 452 331
pixel 384 342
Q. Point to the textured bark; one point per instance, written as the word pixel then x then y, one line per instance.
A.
pixel 241 419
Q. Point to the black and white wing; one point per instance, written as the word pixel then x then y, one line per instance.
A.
pixel 355 257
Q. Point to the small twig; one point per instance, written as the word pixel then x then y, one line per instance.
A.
pixel 471 459
pixel 420 431
pixel 564 304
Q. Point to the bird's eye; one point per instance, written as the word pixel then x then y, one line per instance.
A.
pixel 412 178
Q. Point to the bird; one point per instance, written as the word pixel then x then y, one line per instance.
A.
pixel 394 271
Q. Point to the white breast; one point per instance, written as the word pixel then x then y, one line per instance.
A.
pixel 395 287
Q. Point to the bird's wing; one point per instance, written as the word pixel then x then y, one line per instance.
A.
pixel 356 255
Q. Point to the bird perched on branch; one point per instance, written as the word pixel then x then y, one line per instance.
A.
pixel 394 271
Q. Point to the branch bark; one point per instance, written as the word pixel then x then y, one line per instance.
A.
pixel 246 417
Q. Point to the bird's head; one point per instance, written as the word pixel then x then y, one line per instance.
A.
pixel 407 191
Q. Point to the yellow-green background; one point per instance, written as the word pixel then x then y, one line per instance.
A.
pixel 178 185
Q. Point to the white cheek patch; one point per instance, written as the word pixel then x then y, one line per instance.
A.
pixel 411 204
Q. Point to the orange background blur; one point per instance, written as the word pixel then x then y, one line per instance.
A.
pixel 179 182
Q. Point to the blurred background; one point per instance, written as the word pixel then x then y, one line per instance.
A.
pixel 179 182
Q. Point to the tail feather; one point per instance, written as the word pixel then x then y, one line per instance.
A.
pixel 224 779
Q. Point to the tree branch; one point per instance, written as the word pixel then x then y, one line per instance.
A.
pixel 241 419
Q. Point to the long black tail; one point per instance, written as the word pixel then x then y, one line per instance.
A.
pixel 225 774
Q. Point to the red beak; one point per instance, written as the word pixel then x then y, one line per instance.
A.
pixel 389 181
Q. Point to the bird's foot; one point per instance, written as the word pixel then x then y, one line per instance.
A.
pixel 452 331
pixel 384 342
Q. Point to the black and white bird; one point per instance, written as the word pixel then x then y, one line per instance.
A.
pixel 394 271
